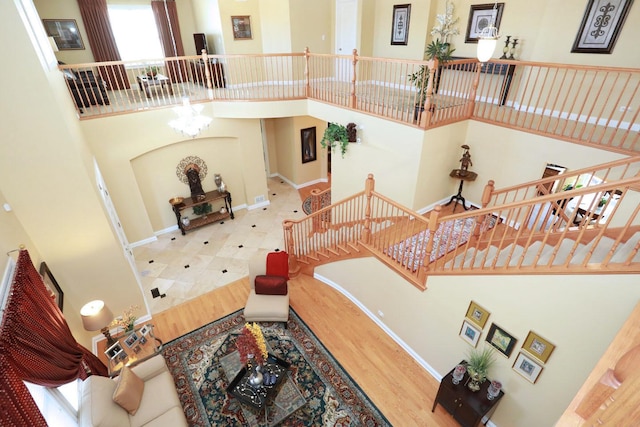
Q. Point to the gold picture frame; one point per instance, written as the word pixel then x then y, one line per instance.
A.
pixel 470 333
pixel 241 26
pixel 477 314
pixel 538 347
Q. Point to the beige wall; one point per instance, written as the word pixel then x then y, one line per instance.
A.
pixel 429 322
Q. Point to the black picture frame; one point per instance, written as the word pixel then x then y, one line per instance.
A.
pixel 308 144
pixel 501 340
pixel 481 15
pixel 52 284
pixel 241 26
pixel 601 19
pixel 400 24
pixel 65 32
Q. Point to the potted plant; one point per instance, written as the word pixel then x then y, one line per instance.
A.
pixel 420 78
pixel 478 366
pixel 151 71
pixel 335 134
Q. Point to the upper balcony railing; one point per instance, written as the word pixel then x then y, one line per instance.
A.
pixel 590 105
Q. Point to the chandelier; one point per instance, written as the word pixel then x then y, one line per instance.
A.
pixel 189 122
pixel 488 38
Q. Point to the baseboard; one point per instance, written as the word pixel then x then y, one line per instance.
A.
pixel 258 205
pixel 384 327
pixel 441 202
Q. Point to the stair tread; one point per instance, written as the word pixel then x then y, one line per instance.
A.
pixel 624 250
pixel 599 253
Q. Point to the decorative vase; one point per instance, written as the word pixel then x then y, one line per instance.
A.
pixel 185 221
pixel 475 379
pixel 458 373
pixel 494 390
pixel 256 378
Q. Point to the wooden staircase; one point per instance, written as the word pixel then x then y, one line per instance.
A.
pixel 594 228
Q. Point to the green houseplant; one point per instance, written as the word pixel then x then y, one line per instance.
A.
pixel 336 134
pixel 478 364
pixel 420 78
pixel 151 71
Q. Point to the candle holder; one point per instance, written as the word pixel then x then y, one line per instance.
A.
pixel 505 49
pixel 513 49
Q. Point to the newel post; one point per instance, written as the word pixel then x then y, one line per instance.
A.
pixel 369 187
pixel 207 71
pixel 486 198
pixel 433 226
pixel 294 268
pixel 353 79
pixel 425 118
pixel 306 72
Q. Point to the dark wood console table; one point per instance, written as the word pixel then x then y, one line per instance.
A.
pixel 216 199
pixel 216 72
pixel 467 407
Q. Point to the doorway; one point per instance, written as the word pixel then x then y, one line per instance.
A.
pixel 346 26
pixel 551 170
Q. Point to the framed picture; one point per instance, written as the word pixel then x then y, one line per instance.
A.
pixel 115 351
pixel 477 314
pixel 145 330
pixel 241 27
pixel 400 24
pixel 481 16
pixel 136 349
pixel 601 26
pixel 538 347
pixel 501 340
pixel 65 33
pixel 308 144
pixel 527 367
pixel 51 284
pixel 131 340
pixel 143 340
pixel 470 333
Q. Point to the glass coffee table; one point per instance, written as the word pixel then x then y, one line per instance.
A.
pixel 266 405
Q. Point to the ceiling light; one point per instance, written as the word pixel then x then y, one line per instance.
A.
pixel 189 122
pixel 488 38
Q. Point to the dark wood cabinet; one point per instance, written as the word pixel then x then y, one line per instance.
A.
pixel 467 407
pixel 216 72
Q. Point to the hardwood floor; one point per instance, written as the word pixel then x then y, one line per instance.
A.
pixel 399 387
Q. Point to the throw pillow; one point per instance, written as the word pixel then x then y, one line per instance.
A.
pixel 128 392
pixel 271 285
pixel 278 264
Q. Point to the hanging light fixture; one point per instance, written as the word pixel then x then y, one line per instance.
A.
pixel 488 38
pixel 189 122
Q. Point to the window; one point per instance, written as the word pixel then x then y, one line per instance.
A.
pixel 135 31
pixel 59 406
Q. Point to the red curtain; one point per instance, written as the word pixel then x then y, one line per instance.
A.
pixel 95 18
pixel 166 14
pixel 36 345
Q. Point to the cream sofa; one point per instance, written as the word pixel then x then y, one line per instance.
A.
pixel 159 407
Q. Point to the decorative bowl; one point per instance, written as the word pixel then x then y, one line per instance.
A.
pixel 176 200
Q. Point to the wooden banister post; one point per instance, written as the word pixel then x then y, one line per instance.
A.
pixel 369 187
pixel 207 71
pixel 306 73
pixel 353 79
pixel 289 244
pixel 425 118
pixel 433 226
pixel 474 90
pixel 486 198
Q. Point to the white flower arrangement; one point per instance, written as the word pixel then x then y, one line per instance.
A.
pixel 446 21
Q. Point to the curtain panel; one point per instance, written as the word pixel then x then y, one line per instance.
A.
pixel 166 15
pixel 95 18
pixel 36 345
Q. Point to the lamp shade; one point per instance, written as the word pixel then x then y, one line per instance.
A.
pixel 486 47
pixel 95 315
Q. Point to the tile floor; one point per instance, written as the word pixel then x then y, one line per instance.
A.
pixel 185 267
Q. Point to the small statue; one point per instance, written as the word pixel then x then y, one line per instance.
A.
pixel 193 175
pixel 466 159
pixel 351 132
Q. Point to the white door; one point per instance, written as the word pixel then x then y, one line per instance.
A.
pixel 346 26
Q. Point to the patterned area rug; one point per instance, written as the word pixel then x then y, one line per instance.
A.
pixel 448 236
pixel 320 392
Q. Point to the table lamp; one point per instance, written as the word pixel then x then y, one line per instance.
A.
pixel 97 316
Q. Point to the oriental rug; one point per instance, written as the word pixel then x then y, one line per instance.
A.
pixel 327 396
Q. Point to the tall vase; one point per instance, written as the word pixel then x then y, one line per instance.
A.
pixel 256 378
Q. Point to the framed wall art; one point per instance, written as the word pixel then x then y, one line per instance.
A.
pixel 538 347
pixel 477 314
pixel 131 340
pixel 480 16
pixel 501 340
pixel 241 26
pixel 601 26
pixel 470 333
pixel 51 284
pixel 400 24
pixel 65 33
pixel 115 351
pixel 308 144
pixel 527 367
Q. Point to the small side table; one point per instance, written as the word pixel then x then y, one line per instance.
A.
pixel 133 348
pixel 146 83
pixel 462 175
